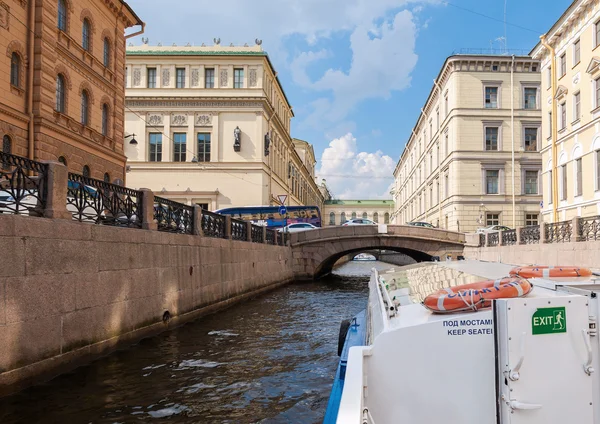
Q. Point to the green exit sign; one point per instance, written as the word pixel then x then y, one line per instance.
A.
pixel 549 321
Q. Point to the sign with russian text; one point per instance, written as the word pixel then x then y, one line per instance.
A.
pixel 549 321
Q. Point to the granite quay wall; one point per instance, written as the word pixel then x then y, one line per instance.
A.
pixel 71 292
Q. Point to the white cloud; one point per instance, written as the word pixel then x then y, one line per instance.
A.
pixel 356 175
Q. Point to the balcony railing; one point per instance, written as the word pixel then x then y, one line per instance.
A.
pixel 23 185
pixel 239 230
pixel 509 237
pixel 481 240
pixel 493 239
pixel 257 234
pixel 558 232
pixel 530 234
pixel 213 224
pixel 271 236
pixel 172 216
pixel 589 228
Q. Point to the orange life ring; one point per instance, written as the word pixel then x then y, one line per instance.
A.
pixel 550 271
pixel 475 296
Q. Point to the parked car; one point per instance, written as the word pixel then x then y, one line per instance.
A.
pixel 359 221
pixel 420 224
pixel 297 227
pixel 492 228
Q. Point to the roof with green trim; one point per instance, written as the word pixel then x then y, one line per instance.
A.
pixel 359 202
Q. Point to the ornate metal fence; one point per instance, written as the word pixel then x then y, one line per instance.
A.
pixel 481 240
pixel 213 224
pixel 558 232
pixel 271 235
pixel 493 239
pixel 257 234
pixel 23 185
pixel 173 216
pixel 509 237
pixel 98 202
pixel 589 228
pixel 530 234
pixel 239 229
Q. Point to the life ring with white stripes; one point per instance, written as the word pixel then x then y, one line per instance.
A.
pixel 550 271
pixel 475 296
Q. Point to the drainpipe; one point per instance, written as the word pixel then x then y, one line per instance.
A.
pixel 512 137
pixel 30 69
pixel 439 163
pixel 554 127
pixel 141 31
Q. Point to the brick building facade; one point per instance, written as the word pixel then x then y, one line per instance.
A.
pixel 62 86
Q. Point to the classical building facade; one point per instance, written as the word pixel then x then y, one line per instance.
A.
pixel 62 87
pixel 456 171
pixel 571 135
pixel 336 212
pixel 212 126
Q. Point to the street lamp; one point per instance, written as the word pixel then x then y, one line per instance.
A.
pixel 133 141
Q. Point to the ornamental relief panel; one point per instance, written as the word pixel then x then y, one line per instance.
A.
pixel 252 78
pixel 179 120
pixel 195 77
pixel 155 120
pixel 137 77
pixel 166 77
pixel 223 78
pixel 4 14
pixel 204 120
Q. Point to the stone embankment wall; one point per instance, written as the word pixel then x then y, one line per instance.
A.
pixel 70 292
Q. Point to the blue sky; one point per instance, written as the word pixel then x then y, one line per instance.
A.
pixel 357 72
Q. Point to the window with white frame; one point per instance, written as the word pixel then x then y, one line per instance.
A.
pixel 491 97
pixel 446 186
pixel 491 138
pixel 563 65
pixel 531 219
pixel 531 182
pixel 492 179
pixel 446 105
pixel 492 219
pixel 563 188
pixel 597 34
pixel 597 157
pixel 562 109
pixel 447 145
pixel 530 142
pixel 550 123
pixel 550 184
pixel 576 106
pixel 549 76
pixel 576 52
pixel 579 178
pixel 530 98
pixel 597 92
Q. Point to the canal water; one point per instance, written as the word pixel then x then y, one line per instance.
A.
pixel 269 360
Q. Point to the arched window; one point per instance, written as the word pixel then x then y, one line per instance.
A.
pixel 332 218
pixel 62 160
pixel 364 215
pixel 85 36
pixel 60 93
pixel 15 69
pixel 62 15
pixel 375 217
pixel 353 215
pixel 85 114
pixel 6 148
pixel 106 177
pixel 343 218
pixel 386 218
pixel 86 171
pixel 106 52
pixel 104 119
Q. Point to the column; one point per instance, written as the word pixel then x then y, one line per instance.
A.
pixel 167 144
pixel 144 76
pixel 216 155
pixel 201 74
pixel 246 84
pixel 217 77
pixel 187 76
pixel 230 76
pixel 198 221
pixel 158 76
pixel 192 144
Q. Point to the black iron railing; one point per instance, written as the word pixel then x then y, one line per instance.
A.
pixel 213 224
pixel 271 235
pixel 257 234
pixel 23 185
pixel 493 239
pixel 509 237
pixel 99 202
pixel 239 229
pixel 530 234
pixel 558 232
pixel 173 216
pixel 589 228
pixel 481 240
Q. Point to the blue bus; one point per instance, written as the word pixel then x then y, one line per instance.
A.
pixel 269 215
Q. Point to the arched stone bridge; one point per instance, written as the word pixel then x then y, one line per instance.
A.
pixel 316 251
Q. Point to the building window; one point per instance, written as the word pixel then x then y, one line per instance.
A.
pixel 105 119
pixel 353 215
pixel 446 186
pixel 203 206
pixel 364 215
pixel 107 177
pixel 563 115
pixel 576 106
pixel 531 182
pixel 106 52
pixel 375 217
pixel 60 93
pixel 576 52
pixel 151 77
pixel 549 75
pixel 530 98
pixel 550 183
pixel 447 144
pixel 579 187
pixel 180 77
pixel 15 69
pixel 331 218
pixel 209 78
pixel 155 147
pixel 86 171
pixel 343 218
pixel 597 169
pixel 597 33
pixel 62 15
pixel 85 108
pixel 492 219
pixel 203 147
pixel 491 97
pixel 597 88
pixel 563 192
pixel 563 65
pixel 491 181
pixel 386 218
pixel 531 219
pixel 531 139
pixel 238 78
pixel 85 36
pixel 179 149
pixel 491 138
pixel 446 105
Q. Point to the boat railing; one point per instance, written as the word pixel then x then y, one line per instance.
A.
pixel 387 304
pixel 352 406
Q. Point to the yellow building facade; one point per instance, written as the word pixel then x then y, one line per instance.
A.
pixel 212 127
pixel 571 89
pixel 457 170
